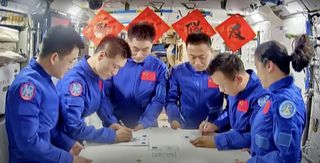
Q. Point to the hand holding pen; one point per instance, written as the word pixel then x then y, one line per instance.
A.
pixel 207 128
pixel 124 134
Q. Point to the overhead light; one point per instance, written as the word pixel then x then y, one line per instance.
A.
pixel 293 7
pixel 74 10
pixel 257 17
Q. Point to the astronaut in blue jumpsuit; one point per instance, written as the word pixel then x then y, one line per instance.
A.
pixel 192 94
pixel 138 91
pixel 278 126
pixel 32 103
pixel 81 92
pixel 245 96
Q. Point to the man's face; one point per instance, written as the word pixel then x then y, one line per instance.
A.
pixel 62 64
pixel 227 86
pixel 199 56
pixel 140 49
pixel 108 67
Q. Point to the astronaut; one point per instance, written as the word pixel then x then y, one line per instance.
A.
pixel 192 94
pixel 32 103
pixel 278 126
pixel 138 91
pixel 245 97
pixel 81 92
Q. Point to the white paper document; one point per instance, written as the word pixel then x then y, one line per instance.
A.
pixel 138 139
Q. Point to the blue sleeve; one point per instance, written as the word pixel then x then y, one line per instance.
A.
pixel 237 139
pixel 25 115
pixel 72 108
pixel 105 112
pixel 232 140
pixel 223 119
pixel 269 157
pixel 154 108
pixel 172 107
pixel 61 140
pixel 287 139
pixel 215 108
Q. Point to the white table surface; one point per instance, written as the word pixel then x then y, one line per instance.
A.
pixel 165 146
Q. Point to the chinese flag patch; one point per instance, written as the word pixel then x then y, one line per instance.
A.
pixel 147 15
pixel 243 106
pixel 266 107
pixel 211 83
pixel 236 32
pixel 193 22
pixel 148 76
pixel 101 25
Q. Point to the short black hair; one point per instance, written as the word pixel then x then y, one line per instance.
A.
pixel 113 46
pixel 142 31
pixel 229 64
pixel 61 40
pixel 278 54
pixel 198 38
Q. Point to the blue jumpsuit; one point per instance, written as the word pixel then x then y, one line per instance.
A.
pixel 81 94
pixel 278 126
pixel 31 117
pixel 192 96
pixel 138 92
pixel 237 116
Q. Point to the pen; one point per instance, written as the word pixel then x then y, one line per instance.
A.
pixel 205 123
pixel 121 123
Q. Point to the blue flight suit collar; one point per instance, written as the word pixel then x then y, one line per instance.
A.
pixel 284 82
pixel 87 69
pixel 130 60
pixel 36 66
pixel 192 69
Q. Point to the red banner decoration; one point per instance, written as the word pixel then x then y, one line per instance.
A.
pixel 236 32
pixel 149 16
pixel 101 25
pixel 193 22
